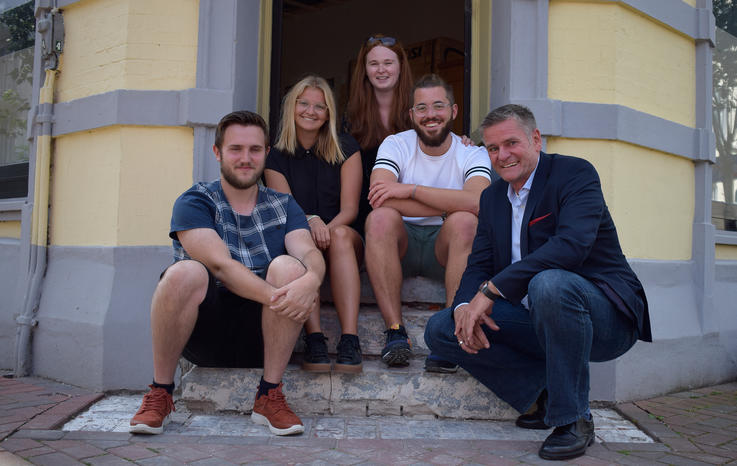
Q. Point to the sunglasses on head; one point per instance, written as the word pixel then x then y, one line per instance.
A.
pixel 387 41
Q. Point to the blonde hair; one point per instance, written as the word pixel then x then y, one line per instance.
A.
pixel 328 145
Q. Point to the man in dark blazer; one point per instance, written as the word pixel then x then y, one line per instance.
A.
pixel 546 289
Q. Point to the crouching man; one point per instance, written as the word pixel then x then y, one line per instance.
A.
pixel 245 278
pixel 546 290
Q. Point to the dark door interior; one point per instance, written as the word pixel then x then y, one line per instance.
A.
pixel 323 37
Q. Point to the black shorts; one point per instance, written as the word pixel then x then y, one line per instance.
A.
pixel 227 332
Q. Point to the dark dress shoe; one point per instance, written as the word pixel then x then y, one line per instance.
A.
pixel 569 441
pixel 536 419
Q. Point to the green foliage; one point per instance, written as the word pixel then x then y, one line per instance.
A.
pixel 21 24
pixel 724 95
pixel 18 26
pixel 724 14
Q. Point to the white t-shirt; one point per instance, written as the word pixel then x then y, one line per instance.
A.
pixel 401 154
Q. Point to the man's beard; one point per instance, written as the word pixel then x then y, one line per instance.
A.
pixel 237 183
pixel 438 139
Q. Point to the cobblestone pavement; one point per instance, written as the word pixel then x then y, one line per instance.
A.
pixel 689 428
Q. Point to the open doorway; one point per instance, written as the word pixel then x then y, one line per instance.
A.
pixel 323 37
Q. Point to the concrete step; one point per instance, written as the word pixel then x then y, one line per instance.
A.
pixel 371 328
pixel 378 390
pixel 414 290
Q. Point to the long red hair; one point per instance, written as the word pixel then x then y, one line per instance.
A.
pixel 363 116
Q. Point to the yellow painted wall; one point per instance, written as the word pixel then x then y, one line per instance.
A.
pixel 128 44
pixel 264 56
pixel 650 195
pixel 157 168
pixel 480 64
pixel 726 252
pixel 604 52
pixel 10 229
pixel 115 186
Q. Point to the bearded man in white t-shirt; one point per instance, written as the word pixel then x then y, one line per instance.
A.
pixel 425 190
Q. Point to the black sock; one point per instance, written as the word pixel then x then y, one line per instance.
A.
pixel 264 387
pixel 169 388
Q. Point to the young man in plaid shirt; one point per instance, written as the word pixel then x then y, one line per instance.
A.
pixel 245 278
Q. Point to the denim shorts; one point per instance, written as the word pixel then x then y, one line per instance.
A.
pixel 227 332
pixel 420 257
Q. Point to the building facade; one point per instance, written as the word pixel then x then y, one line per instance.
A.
pixel 125 123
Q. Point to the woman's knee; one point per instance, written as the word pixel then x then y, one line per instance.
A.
pixel 341 237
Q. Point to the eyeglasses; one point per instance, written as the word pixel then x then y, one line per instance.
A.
pixel 303 105
pixel 421 109
pixel 388 41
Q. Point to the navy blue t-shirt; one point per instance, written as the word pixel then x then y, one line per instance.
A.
pixel 253 240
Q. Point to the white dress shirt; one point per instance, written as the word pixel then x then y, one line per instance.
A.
pixel 519 202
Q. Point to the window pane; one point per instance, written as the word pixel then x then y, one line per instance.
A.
pixel 17 25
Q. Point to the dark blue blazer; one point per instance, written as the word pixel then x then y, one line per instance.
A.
pixel 566 225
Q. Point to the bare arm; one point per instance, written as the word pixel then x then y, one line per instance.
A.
pixel 350 190
pixel 299 245
pixel 204 245
pixel 381 179
pixel 277 181
pixel 297 298
pixel 408 199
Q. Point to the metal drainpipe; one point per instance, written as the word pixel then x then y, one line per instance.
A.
pixel 51 28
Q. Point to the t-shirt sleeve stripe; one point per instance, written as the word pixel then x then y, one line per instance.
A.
pixel 388 164
pixel 477 171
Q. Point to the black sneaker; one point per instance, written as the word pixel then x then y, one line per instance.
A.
pixel 398 349
pixel 315 358
pixel 349 355
pixel 435 364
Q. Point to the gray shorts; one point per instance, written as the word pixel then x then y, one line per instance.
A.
pixel 420 257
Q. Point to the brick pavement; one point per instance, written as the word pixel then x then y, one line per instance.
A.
pixel 692 428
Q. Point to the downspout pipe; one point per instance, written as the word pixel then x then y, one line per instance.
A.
pixel 50 26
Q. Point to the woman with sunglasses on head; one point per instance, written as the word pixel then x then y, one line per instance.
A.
pixel 323 173
pixel 378 104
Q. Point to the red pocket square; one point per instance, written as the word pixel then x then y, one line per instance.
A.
pixel 535 220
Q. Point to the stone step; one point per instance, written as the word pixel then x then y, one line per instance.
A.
pixel 371 328
pixel 378 390
pixel 414 290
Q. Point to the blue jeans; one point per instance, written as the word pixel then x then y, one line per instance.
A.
pixel 570 322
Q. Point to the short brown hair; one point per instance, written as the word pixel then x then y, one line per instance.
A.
pixel 433 80
pixel 243 118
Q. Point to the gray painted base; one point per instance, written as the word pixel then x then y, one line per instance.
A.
pixel 94 326
pixel 9 273
pixel 725 297
pixel 684 355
